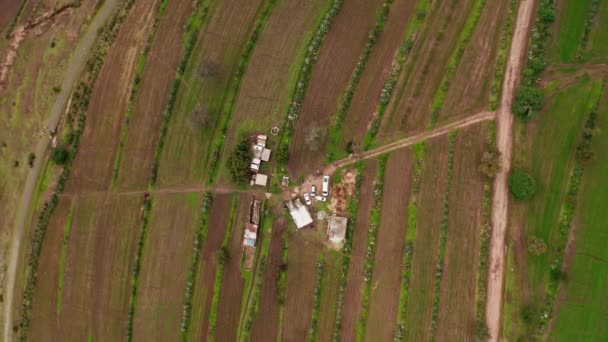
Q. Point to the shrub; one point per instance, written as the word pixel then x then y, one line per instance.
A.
pixel 239 162
pixel 522 185
pixel 491 163
pixel 30 159
pixel 537 246
pixel 283 154
pixel 60 155
pixel 223 255
pixel 528 101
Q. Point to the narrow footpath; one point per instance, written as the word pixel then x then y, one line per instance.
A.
pixel 504 144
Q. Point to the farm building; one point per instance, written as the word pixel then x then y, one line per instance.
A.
pixel 250 238
pixel 336 230
pixel 260 179
pixel 260 154
pixel 299 213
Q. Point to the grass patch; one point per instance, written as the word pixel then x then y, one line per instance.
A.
pixel 570 29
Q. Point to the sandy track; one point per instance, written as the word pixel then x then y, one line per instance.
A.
pixel 500 198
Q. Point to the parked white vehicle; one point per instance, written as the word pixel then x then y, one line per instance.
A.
pixel 321 198
pixel 313 191
pixel 325 186
pixel 307 199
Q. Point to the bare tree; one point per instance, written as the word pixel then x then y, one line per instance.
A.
pixel 491 163
pixel 209 68
pixel 200 117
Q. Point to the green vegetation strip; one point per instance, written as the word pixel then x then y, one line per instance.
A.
pixel 463 42
pixel 334 152
pixel 317 299
pixel 443 238
pixel 353 213
pixel 372 243
pixel 64 259
pixel 481 329
pixel 141 64
pixel 591 14
pixel 529 97
pixel 501 60
pixel 222 258
pixel 412 223
pixel 226 117
pixel 297 96
pixel 396 68
pixel 194 24
pixel 78 109
pixel 200 236
pixel 283 286
pixel 252 305
pixel 584 154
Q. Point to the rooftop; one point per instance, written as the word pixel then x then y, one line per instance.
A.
pixel 299 213
pixel 336 229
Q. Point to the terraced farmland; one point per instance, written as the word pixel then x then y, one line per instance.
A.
pixel 454 147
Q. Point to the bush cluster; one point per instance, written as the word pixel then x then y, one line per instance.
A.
pixel 347 97
pixel 443 237
pixel 239 163
pixel 312 52
pixel 80 102
pixel 522 185
pixel 529 99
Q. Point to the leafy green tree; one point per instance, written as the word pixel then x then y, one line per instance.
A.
pixel 223 255
pixel 239 162
pixel 528 102
pixel 60 155
pixel 522 185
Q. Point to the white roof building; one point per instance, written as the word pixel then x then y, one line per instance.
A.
pixel 299 213
pixel 265 156
pixel 261 179
pixel 336 230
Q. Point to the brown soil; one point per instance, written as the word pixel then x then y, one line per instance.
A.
pixel 342 192
pixel 222 39
pixel 302 260
pixel 262 101
pixel 352 299
pixel 470 88
pixel 8 11
pixel 426 246
pixel 232 283
pixel 158 75
pixel 337 60
pixel 377 71
pixel 45 317
pixel 329 295
pixel 386 281
pixel 265 326
pixel 164 267
pixel 457 312
pixel 203 293
pixel 425 69
pixel 94 163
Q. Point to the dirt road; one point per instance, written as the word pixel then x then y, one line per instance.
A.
pixel 500 198
pixel 76 63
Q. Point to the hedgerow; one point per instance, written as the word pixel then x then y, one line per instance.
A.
pixel 79 106
pixel 501 59
pixel 347 97
pixel 200 237
pixel 353 212
pixel 591 14
pixel 136 83
pixel 465 37
pixel 525 106
pixel 283 286
pixel 316 300
pixel 443 238
pixel 238 77
pixel 370 256
pixel 190 37
pixel 412 223
pixel 396 68
pixel 297 96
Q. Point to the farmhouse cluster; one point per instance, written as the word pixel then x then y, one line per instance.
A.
pixel 260 154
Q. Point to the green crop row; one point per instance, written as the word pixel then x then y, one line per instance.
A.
pixel 372 244
pixel 396 68
pixel 219 275
pixel 481 329
pixel 463 42
pixel 443 238
pixel 501 60
pixel 283 287
pixel 136 82
pixel 316 300
pixel 220 138
pixel 347 97
pixel 353 212
pixel 78 109
pixel 412 223
pixel 568 212
pixel 190 37
pixel 200 236
pixel 591 14
pixel 297 96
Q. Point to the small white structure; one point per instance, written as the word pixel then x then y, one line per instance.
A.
pixel 261 179
pixel 254 167
pixel 299 213
pixel 336 230
pixel 265 155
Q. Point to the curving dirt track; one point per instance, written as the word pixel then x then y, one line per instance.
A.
pixel 500 199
